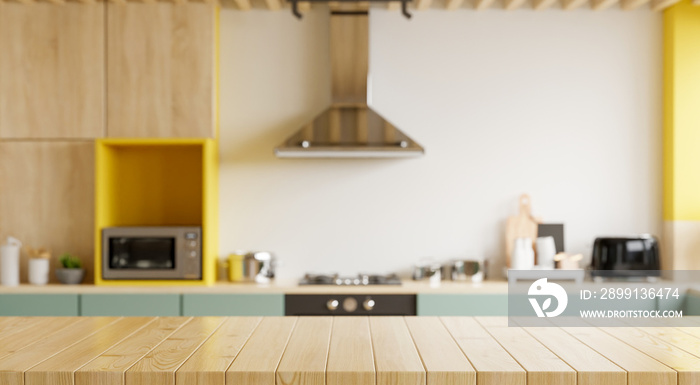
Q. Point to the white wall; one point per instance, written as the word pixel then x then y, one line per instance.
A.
pixel 563 105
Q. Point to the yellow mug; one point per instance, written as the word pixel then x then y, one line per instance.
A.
pixel 235 267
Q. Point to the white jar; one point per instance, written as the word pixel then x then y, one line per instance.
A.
pixel 9 262
pixel 38 271
pixel 523 256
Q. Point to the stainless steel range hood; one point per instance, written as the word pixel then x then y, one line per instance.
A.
pixel 349 128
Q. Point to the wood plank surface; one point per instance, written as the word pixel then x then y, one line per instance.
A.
pixel 350 358
pixel 109 367
pixel 209 363
pixel 395 355
pixel 66 171
pixel 444 362
pixel 641 369
pixel 591 367
pixel 305 358
pixel 12 367
pixel 25 331
pixel 542 366
pixel 52 71
pixel 159 365
pixel 59 369
pixel 160 70
pixel 686 364
pixel 493 364
pixel 258 360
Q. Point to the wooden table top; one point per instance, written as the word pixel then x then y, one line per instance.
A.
pixel 338 350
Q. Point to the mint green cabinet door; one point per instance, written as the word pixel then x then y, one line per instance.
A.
pixel 462 304
pixel 39 305
pixel 130 305
pixel 233 304
pixel 692 303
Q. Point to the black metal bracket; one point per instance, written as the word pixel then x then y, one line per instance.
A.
pixel 295 5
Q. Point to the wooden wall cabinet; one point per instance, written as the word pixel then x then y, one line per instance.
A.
pixel 47 198
pixel 51 70
pixel 160 70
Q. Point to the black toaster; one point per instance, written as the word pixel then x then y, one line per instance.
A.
pixel 626 257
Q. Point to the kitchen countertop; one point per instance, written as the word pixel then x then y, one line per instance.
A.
pixel 278 286
pixel 339 350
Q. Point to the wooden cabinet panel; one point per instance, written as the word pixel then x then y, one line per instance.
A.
pixel 160 70
pixel 47 198
pixel 51 70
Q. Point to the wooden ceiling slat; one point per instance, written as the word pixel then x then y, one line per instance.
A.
pixel 660 5
pixel 482 4
pixel 599 5
pixel 510 5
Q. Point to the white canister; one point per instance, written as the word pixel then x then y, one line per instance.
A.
pixel 9 262
pixel 38 271
pixel 523 256
pixel 546 250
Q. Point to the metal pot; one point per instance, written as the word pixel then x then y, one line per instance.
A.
pixel 259 266
pixel 466 270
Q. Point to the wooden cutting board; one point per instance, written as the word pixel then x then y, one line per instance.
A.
pixel 523 225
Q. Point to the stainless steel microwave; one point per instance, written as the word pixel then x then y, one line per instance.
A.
pixel 148 253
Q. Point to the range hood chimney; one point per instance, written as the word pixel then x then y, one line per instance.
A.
pixel 349 128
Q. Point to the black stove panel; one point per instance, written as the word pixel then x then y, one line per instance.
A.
pixel 349 304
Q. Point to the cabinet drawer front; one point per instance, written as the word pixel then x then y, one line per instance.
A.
pixel 462 304
pixel 39 305
pixel 233 304
pixel 130 305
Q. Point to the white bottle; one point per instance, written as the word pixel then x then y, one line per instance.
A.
pixel 523 256
pixel 9 262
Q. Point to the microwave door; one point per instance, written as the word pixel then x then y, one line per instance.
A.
pixel 142 258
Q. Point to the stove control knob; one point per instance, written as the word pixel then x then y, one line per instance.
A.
pixel 332 304
pixel 368 304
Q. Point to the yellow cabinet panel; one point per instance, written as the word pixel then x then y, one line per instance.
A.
pixel 160 70
pixel 47 197
pixel 51 70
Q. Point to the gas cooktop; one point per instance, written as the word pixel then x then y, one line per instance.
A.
pixel 358 280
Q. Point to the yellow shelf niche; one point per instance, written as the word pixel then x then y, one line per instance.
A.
pixel 158 182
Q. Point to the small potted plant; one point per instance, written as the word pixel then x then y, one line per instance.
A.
pixel 71 272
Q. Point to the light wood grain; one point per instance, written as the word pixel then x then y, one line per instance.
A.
pixel 660 5
pixel 629 5
pixel 51 72
pixel 452 5
pixel 686 338
pixel 686 364
pixel 542 4
pixel 29 331
pixel 12 367
pixel 591 368
pixel 59 369
pixel 599 5
pixel 542 366
pixel 349 50
pixel 444 362
pixel 395 355
pixel 422 5
pixel 572 4
pixel 48 198
pixel 304 360
pixel 641 369
pixel 350 358
pixel 159 365
pixel 109 367
pixel 257 362
pixel 160 70
pixel 510 5
pixel 208 364
pixel 493 364
pixel 523 225
pixel 483 4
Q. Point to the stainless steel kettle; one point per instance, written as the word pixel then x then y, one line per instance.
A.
pixel 259 266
